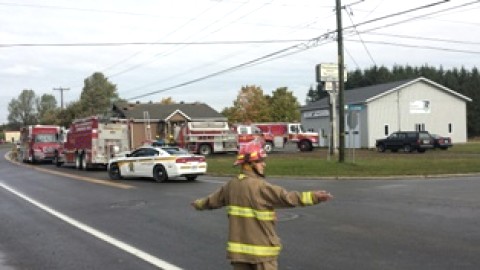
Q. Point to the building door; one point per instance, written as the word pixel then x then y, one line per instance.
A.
pixel 352 130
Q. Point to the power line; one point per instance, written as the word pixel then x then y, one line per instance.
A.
pixel 228 56
pixel 271 55
pixel 423 16
pixel 167 35
pixel 152 59
pixel 421 47
pixel 215 73
pixel 359 36
pixel 111 44
pixel 464 42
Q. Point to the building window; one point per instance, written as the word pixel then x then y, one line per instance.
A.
pixel 450 128
pixel 386 130
pixel 420 127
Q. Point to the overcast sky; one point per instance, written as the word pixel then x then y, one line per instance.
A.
pixel 206 50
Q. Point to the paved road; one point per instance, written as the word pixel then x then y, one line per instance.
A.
pixel 56 221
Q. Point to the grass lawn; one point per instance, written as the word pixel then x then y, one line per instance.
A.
pixel 462 158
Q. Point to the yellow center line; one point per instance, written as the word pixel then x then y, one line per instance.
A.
pixel 77 177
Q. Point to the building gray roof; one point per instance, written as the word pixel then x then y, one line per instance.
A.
pixel 192 111
pixel 358 95
pixel 363 95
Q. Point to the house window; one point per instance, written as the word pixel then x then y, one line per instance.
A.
pixel 386 130
pixel 450 128
pixel 420 127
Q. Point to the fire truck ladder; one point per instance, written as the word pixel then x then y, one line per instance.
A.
pixel 146 118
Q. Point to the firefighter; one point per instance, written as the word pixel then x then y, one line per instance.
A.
pixel 14 152
pixel 250 202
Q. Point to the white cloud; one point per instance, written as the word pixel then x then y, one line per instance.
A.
pixel 20 70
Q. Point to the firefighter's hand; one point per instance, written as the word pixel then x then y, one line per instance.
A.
pixel 323 195
pixel 196 204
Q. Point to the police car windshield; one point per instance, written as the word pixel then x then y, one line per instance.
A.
pixel 175 150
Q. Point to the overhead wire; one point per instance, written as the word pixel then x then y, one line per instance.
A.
pixel 420 46
pixel 223 58
pixel 359 36
pixel 112 44
pixel 166 53
pixel 306 46
pixel 463 42
pixel 165 36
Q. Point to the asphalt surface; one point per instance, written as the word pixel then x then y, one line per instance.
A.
pixel 80 220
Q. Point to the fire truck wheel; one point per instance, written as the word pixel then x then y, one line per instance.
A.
pixel 114 172
pixel 268 147
pixel 56 160
pixel 160 174
pixel 305 146
pixel 78 162
pixel 85 166
pixel 205 149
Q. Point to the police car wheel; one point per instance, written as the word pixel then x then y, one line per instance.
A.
pixel 114 172
pixel 160 174
pixel 191 177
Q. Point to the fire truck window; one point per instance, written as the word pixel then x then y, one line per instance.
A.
pixel 45 138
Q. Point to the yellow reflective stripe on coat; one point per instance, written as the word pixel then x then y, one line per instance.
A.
pixel 253 249
pixel 250 213
pixel 307 198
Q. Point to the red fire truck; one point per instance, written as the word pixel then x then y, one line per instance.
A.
pixel 207 137
pixel 38 143
pixel 248 133
pixel 276 135
pixel 92 142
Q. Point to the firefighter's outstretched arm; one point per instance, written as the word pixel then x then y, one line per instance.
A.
pixel 280 197
pixel 213 201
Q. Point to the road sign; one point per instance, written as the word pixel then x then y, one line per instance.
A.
pixel 355 107
pixel 329 73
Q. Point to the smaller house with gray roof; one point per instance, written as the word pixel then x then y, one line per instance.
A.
pixel 150 121
pixel 376 111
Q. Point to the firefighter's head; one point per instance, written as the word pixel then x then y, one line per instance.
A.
pixel 251 156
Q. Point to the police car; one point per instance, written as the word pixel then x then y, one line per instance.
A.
pixel 159 162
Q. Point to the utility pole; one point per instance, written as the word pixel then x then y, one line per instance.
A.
pixel 341 84
pixel 61 89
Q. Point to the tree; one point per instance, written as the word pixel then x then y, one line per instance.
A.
pixel 46 109
pixel 22 110
pixel 316 93
pixel 97 95
pixel 167 101
pixel 250 106
pixel 284 106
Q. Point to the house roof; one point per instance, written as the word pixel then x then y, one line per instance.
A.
pixel 366 94
pixel 157 111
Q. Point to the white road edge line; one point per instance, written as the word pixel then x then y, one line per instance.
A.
pixel 98 234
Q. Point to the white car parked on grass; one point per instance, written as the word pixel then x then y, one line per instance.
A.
pixel 161 163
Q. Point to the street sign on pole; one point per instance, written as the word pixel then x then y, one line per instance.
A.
pixel 329 73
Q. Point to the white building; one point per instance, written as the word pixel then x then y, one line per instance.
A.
pixel 374 112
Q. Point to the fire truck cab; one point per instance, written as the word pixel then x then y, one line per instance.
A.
pixel 278 134
pixel 38 143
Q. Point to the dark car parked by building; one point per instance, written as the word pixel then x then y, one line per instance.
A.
pixel 408 141
pixel 441 142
